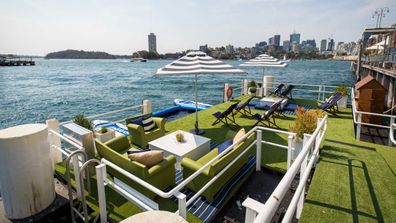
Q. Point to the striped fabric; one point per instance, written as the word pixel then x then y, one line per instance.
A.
pixel 148 123
pixel 197 63
pixel 264 60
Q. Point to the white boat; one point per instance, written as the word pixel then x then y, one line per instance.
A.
pixel 284 59
pixel 190 105
pixel 138 59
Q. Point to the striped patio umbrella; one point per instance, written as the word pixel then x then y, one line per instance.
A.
pixel 264 61
pixel 197 62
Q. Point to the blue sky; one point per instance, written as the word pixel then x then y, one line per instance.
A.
pixel 121 26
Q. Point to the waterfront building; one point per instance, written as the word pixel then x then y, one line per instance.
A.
pixel 271 41
pixel 203 48
pixel 323 44
pixel 286 45
pixel 295 47
pixel 295 38
pixel 261 45
pixel 229 49
pixel 330 46
pixel 311 43
pixel 152 43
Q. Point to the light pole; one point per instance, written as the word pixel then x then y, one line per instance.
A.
pixel 380 13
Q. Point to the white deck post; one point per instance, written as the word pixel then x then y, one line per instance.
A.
pixel 76 169
pixel 303 167
pixel 289 150
pixel 244 87
pixel 182 203
pixel 101 176
pixel 319 92
pixel 146 107
pixel 252 208
pixel 56 155
pixel 392 120
pixel 258 147
pixel 358 126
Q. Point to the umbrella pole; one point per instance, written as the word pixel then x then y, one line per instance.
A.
pixel 196 130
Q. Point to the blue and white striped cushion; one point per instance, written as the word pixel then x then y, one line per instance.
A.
pixel 148 123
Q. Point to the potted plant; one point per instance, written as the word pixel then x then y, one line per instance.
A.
pixel 82 121
pixel 104 134
pixel 305 123
pixel 252 88
pixel 343 89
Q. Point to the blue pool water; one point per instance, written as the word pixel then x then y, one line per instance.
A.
pixel 63 88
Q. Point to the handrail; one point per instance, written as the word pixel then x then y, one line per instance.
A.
pixel 83 199
pixel 276 197
pixel 392 133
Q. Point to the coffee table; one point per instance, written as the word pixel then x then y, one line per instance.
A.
pixel 193 146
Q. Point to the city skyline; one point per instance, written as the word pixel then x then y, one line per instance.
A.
pixel 40 27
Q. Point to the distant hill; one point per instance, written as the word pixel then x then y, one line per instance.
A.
pixel 81 54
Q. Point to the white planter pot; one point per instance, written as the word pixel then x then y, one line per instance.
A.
pixel 342 103
pixel 297 145
pixel 104 137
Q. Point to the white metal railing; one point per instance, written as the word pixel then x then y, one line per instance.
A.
pixel 392 133
pixel 358 119
pixel 258 213
pixel 183 203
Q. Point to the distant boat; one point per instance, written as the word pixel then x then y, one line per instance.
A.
pixel 138 59
pixel 285 60
pixel 190 105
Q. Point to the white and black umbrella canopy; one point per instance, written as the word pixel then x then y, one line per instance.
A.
pixel 197 63
pixel 264 60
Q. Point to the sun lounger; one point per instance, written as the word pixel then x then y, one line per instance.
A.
pixel 287 91
pixel 224 116
pixel 267 115
pixel 331 104
pixel 242 107
pixel 277 90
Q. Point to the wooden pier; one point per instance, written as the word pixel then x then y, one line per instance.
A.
pixel 17 62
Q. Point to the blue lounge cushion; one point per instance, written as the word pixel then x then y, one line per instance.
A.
pixel 224 146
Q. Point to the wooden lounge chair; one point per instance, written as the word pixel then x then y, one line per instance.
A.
pixel 331 104
pixel 277 90
pixel 242 107
pixel 224 116
pixel 267 115
pixel 287 91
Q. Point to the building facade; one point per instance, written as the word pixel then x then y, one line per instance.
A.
pixel 323 44
pixel 286 45
pixel 229 49
pixel 330 46
pixel 295 38
pixel 152 43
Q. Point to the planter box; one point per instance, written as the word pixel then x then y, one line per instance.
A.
pixel 342 103
pixel 104 137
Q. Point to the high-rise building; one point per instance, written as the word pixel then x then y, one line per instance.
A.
pixel 330 46
pixel 152 43
pixel 271 41
pixel 295 38
pixel 295 48
pixel 277 40
pixel 229 49
pixel 323 44
pixel 286 45
pixel 310 42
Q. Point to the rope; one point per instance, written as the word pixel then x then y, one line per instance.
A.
pixel 389 109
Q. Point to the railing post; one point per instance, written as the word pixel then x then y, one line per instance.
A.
pixel 358 126
pixel 100 180
pixel 244 87
pixel 289 150
pixel 56 155
pixel 146 107
pixel 392 120
pixel 303 167
pixel 258 147
pixel 182 203
pixel 76 169
pixel 252 208
pixel 319 92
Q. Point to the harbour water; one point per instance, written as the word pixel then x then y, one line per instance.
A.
pixel 63 88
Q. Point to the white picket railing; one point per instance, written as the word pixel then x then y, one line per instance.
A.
pixel 257 212
pixel 392 133
pixel 357 119
pixel 183 203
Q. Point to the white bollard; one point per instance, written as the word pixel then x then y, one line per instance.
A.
pixel 55 154
pixel 26 173
pixel 147 107
pixel 245 87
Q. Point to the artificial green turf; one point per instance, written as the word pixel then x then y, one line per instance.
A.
pixel 351 184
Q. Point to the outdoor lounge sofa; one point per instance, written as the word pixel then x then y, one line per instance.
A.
pixel 190 166
pixel 141 138
pixel 161 175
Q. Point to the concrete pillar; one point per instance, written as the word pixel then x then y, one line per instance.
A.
pixel 147 107
pixel 55 154
pixel 267 84
pixel 245 87
pixel 26 173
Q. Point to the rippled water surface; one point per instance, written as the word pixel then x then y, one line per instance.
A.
pixel 64 88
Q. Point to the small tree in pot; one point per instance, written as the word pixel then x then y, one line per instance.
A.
pixel 252 88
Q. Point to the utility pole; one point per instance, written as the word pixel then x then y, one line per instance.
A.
pixel 380 13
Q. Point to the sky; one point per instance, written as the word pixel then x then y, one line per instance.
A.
pixel 38 27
